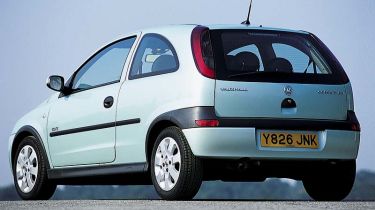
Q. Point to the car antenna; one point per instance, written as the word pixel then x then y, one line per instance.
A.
pixel 247 21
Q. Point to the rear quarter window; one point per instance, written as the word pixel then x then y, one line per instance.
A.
pixel 155 55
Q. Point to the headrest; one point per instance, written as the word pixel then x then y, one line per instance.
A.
pixel 280 65
pixel 244 61
pixel 163 62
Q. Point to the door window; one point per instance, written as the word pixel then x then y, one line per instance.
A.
pixel 105 67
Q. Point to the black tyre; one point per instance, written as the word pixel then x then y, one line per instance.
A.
pixel 30 166
pixel 331 183
pixel 175 172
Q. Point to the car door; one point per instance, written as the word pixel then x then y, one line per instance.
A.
pixel 82 122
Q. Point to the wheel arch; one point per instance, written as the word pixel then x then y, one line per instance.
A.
pixel 182 118
pixel 155 128
pixel 23 132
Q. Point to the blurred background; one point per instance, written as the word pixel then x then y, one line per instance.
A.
pixel 41 38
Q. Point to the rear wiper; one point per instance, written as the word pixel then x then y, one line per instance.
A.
pixel 308 65
pixel 258 72
pixel 244 74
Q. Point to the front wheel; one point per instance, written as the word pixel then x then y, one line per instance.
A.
pixel 175 172
pixel 331 183
pixel 30 171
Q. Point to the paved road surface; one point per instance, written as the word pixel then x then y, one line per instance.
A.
pixel 182 205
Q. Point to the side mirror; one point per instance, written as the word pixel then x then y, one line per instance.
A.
pixel 56 83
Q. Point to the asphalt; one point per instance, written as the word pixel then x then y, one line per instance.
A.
pixel 182 205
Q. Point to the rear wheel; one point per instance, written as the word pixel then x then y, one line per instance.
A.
pixel 331 183
pixel 176 173
pixel 30 171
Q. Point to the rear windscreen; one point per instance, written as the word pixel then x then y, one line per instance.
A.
pixel 274 56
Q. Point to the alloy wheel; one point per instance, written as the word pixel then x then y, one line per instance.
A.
pixel 167 163
pixel 27 168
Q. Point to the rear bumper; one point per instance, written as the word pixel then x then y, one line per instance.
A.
pixel 235 143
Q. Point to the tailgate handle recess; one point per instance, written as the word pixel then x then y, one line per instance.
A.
pixel 288 103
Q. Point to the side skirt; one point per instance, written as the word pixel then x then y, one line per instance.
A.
pixel 129 174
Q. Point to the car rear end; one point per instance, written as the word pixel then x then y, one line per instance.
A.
pixel 283 103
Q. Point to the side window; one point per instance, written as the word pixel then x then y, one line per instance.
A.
pixel 155 55
pixel 105 67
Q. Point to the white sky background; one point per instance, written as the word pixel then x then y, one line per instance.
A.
pixel 40 38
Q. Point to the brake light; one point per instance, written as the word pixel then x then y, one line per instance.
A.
pixel 355 126
pixel 202 51
pixel 207 123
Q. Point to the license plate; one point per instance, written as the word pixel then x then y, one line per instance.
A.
pixel 285 139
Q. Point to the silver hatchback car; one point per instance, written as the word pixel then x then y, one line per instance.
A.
pixel 177 105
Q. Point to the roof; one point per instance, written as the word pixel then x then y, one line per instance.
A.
pixel 187 27
pixel 222 26
pixel 243 26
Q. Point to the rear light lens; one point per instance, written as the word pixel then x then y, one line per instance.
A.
pixel 352 118
pixel 356 127
pixel 207 123
pixel 202 51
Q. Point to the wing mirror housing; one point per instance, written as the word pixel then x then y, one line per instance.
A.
pixel 56 83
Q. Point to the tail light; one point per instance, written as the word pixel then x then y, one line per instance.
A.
pixel 356 127
pixel 352 118
pixel 202 51
pixel 207 123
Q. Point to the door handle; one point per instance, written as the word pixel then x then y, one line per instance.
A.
pixel 108 102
